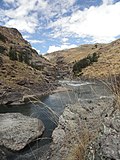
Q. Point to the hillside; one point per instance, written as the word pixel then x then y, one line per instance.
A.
pixel 107 64
pixel 22 71
pixel 74 54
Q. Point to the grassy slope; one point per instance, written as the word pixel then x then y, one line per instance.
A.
pixel 74 54
pixel 108 64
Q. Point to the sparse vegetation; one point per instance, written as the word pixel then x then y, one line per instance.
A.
pixel 2 49
pixel 13 54
pixel 19 56
pixel 2 38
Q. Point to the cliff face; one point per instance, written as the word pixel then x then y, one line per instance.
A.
pixel 22 70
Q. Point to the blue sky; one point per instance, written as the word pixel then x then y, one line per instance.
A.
pixel 51 25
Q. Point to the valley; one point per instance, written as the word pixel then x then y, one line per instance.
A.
pixel 74 96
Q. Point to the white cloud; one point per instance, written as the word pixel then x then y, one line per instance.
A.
pixel 64 40
pixel 26 36
pixel 28 23
pixel 25 14
pixel 62 47
pixel 107 2
pixel 38 51
pixel 9 1
pixel 33 41
pixel 100 23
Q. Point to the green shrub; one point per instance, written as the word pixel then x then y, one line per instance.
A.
pixel 20 57
pixel 26 58
pixel 2 49
pixel 12 54
pixel 2 38
pixel 83 63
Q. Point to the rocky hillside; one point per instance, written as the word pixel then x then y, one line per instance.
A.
pixel 106 65
pixel 22 71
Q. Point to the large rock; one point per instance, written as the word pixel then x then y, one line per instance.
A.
pixel 17 130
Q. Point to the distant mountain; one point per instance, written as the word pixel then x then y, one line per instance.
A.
pixel 22 70
pixel 107 64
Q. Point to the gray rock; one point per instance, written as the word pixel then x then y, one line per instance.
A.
pixel 17 130
pixel 95 118
pixel 107 145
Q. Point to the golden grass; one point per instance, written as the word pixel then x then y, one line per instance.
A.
pixel 85 137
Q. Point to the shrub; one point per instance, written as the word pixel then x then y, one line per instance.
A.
pixel 2 49
pixel 83 63
pixel 26 59
pixel 20 57
pixel 12 54
pixel 3 38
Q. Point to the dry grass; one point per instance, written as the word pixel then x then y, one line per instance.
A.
pixel 13 71
pixel 109 60
pixel 73 54
pixel 78 151
pixel 108 63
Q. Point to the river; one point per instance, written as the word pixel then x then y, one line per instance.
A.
pixel 49 108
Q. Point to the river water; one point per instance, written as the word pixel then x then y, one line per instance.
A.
pixel 49 108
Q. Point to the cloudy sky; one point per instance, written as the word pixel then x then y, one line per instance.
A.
pixel 51 25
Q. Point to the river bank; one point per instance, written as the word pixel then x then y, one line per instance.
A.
pixel 47 109
pixel 88 130
pixel 85 126
pixel 81 103
pixel 19 96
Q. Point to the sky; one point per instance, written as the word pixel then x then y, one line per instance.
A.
pixel 51 25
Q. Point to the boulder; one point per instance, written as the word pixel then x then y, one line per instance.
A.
pixel 17 130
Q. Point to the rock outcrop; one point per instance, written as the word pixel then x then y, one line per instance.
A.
pixel 17 130
pixel 89 128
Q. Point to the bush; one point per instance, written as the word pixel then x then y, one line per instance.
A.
pixel 20 57
pixel 83 63
pixel 13 54
pixel 3 38
pixel 2 49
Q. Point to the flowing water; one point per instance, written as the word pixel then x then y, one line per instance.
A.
pixel 56 102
